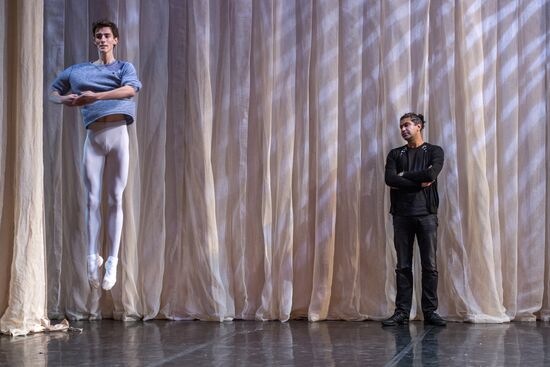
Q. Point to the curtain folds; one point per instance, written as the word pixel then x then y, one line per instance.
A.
pixel 23 275
pixel 256 186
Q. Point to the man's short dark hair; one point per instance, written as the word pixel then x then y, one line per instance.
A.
pixel 105 23
pixel 416 118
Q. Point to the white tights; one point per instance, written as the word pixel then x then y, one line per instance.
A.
pixel 106 160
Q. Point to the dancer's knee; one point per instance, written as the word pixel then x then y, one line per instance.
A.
pixel 93 202
pixel 115 200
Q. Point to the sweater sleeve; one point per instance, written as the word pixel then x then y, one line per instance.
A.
pixel 62 83
pixel 129 77
pixel 429 174
pixel 391 175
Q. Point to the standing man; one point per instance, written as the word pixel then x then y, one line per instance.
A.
pixel 411 173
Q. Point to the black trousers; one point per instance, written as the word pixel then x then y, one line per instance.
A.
pixel 425 230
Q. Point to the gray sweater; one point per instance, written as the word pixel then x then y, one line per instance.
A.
pixel 100 78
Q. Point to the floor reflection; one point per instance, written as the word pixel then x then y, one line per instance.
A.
pixel 415 342
pixel 296 343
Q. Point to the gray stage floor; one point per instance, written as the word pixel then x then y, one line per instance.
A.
pixel 296 343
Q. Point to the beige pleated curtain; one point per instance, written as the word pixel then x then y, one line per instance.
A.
pixel 256 184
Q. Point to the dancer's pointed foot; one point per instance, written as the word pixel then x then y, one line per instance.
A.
pixel 109 279
pixel 94 263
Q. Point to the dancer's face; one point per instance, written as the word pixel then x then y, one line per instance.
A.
pixel 104 40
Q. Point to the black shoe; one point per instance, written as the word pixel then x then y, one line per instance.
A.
pixel 398 318
pixel 433 318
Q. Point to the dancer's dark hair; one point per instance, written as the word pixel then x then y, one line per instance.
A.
pixel 101 23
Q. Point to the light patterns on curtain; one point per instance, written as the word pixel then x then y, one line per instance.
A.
pixel 256 183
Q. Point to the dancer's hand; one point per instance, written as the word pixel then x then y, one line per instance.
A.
pixel 68 100
pixel 85 98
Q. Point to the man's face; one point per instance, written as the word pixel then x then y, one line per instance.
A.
pixel 409 130
pixel 104 39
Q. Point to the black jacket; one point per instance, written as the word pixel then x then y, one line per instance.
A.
pixel 409 184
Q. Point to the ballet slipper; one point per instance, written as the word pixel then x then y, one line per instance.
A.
pixel 109 279
pixel 94 263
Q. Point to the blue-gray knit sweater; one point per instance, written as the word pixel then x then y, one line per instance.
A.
pixel 100 78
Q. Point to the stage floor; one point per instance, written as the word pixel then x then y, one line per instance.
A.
pixel 295 343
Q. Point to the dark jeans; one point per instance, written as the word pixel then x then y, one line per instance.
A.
pixel 425 230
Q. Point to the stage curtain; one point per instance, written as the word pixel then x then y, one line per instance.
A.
pixel 22 239
pixel 256 185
